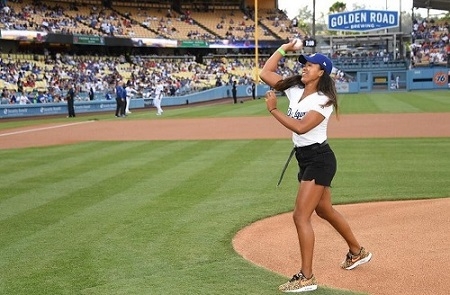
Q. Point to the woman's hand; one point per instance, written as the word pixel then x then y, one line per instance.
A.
pixel 271 100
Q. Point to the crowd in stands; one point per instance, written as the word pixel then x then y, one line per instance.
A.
pixel 357 55
pixel 46 79
pixel 429 37
pixel 41 16
pixel 429 47
pixel 67 17
pixel 430 42
pixel 285 27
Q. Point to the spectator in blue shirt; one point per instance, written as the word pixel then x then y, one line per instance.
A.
pixel 121 96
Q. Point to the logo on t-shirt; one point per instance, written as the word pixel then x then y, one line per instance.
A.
pixel 297 115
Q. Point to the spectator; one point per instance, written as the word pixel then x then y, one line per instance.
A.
pixel 70 101
pixel 253 90
pixel 23 98
pixel 120 99
pixel 91 94
pixel 234 92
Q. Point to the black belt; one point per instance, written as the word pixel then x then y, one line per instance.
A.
pixel 311 147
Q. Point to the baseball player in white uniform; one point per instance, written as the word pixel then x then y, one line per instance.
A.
pixel 159 89
pixel 130 93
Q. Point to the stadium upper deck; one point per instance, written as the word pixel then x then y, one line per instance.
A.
pixel 198 20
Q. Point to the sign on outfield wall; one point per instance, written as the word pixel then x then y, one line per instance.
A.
pixel 44 109
pixel 88 40
pixel 342 87
pixel 363 20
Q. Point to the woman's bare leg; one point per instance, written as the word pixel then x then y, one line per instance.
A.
pixel 308 197
pixel 326 211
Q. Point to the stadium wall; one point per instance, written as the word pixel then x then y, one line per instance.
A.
pixel 416 79
pixel 46 109
pixel 103 105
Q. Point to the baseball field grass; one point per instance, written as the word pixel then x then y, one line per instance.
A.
pixel 158 217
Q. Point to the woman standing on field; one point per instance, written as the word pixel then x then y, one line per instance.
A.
pixel 312 98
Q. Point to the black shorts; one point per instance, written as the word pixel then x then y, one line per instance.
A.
pixel 316 162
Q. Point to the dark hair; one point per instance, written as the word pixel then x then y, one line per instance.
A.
pixel 326 85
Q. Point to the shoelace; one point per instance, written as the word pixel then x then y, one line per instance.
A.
pixel 350 256
pixel 297 277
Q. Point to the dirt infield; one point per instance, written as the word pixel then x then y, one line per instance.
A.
pixel 409 240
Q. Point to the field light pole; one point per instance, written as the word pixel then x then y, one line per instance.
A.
pixel 314 23
pixel 256 70
pixel 400 30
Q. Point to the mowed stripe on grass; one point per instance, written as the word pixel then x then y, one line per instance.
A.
pixel 158 217
pixel 117 218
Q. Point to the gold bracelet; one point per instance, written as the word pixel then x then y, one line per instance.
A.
pixel 281 51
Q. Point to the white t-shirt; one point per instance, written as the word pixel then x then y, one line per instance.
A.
pixel 297 110
pixel 23 99
pixel 130 91
pixel 158 90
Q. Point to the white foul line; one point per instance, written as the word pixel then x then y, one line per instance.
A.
pixel 44 128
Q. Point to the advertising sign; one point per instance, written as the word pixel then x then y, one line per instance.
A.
pixel 363 20
pixel 342 87
pixel 193 43
pixel 440 78
pixel 44 109
pixel 88 40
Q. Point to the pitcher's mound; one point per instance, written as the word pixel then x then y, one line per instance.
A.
pixel 409 241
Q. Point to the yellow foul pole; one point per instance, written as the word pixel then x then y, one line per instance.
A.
pixel 256 69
